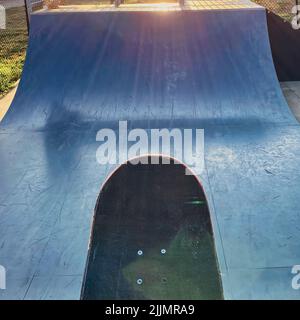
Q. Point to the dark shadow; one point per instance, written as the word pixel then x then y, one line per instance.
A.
pixel 285 45
pixel 152 237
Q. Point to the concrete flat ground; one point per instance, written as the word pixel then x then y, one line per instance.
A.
pixel 12 3
pixel 6 101
pixel 291 91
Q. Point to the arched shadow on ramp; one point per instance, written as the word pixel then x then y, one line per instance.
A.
pixel 152 237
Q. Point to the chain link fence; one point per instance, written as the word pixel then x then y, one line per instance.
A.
pixel 13 42
pixel 54 4
pixel 282 8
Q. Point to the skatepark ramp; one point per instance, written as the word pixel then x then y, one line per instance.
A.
pixel 202 66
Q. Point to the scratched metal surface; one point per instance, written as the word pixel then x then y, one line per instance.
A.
pixel 190 69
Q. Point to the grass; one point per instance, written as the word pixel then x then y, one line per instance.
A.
pixel 13 46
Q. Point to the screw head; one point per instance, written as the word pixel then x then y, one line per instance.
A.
pixel 163 251
pixel 139 281
pixel 140 252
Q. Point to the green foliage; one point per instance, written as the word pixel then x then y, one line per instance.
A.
pixel 13 42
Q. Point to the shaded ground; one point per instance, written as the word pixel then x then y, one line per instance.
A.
pixel 13 47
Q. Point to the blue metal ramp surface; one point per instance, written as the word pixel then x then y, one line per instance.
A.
pixel 209 69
